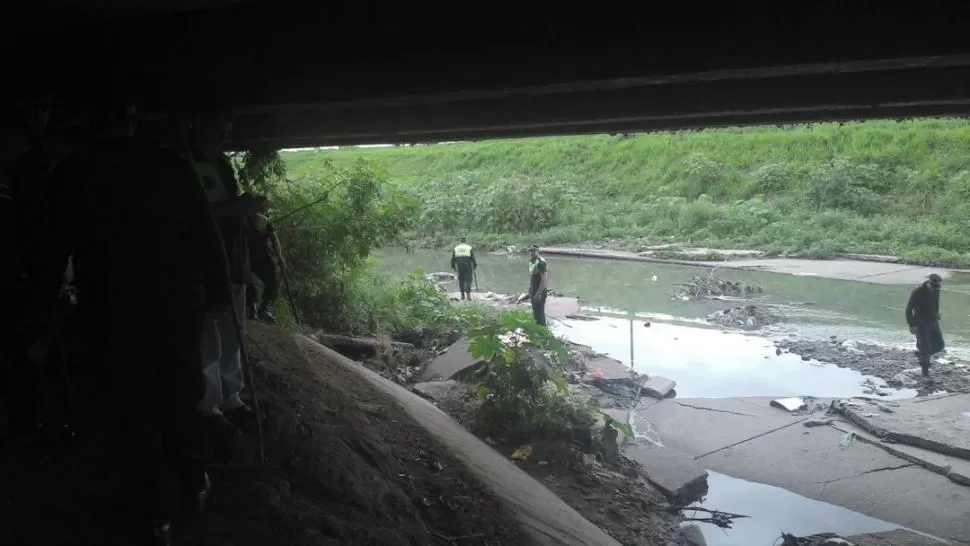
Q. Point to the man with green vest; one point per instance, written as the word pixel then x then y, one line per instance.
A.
pixel 464 263
pixel 538 284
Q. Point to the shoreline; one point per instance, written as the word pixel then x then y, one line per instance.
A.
pixel 872 271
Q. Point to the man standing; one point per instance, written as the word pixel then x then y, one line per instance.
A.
pixel 923 317
pixel 266 255
pixel 538 284
pixel 463 261
pixel 222 342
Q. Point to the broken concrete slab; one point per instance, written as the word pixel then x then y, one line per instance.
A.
pixel 446 365
pixel 896 537
pixel 938 424
pixel 911 497
pixel 658 387
pixel 437 390
pixel 958 470
pixel 699 426
pixel 747 439
pixel 674 472
pixel 798 459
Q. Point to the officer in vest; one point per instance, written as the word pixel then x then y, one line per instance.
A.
pixel 463 261
pixel 538 284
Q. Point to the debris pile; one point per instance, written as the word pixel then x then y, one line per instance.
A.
pixel 713 287
pixel 746 317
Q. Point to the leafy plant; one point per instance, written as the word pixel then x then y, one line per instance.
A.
pixel 524 391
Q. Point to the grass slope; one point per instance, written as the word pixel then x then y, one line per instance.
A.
pixel 882 187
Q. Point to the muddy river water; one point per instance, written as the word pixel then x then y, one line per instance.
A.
pixel 712 363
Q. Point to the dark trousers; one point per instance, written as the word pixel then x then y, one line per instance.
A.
pixel 465 275
pixel 539 308
pixel 929 341
pixel 266 271
pixel 151 387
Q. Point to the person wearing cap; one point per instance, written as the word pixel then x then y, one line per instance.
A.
pixel 464 263
pixel 538 284
pixel 923 318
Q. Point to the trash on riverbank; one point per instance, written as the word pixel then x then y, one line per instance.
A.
pixel 897 367
pixel 712 287
pixel 747 317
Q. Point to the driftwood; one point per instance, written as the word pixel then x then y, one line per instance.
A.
pixel 366 345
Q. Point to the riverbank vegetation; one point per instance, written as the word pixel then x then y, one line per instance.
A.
pixel 876 187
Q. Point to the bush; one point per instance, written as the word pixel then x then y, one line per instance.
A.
pixel 524 394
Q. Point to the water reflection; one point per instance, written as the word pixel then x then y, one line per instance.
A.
pixel 710 363
pixel 773 510
pixel 806 300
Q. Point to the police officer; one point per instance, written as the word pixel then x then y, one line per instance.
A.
pixel 463 261
pixel 538 284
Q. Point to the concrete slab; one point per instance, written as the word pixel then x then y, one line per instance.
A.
pixel 940 424
pixel 958 470
pixel 658 387
pixel 912 497
pixel 543 516
pixel 673 472
pixel 446 365
pixel 704 425
pixel 897 537
pixel 436 391
pixel 744 439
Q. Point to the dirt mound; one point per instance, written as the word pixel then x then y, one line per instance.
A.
pixel 344 466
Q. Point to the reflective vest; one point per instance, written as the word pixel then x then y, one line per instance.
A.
pixel 463 251
pixel 215 189
pixel 534 265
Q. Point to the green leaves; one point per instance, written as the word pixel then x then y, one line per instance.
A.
pixel 519 393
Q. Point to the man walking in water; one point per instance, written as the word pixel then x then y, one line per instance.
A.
pixel 463 261
pixel 538 284
pixel 923 317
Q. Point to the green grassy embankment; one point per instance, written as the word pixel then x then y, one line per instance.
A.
pixel 875 187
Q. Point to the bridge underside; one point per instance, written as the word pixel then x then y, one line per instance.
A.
pixel 315 74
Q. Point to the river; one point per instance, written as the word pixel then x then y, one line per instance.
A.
pixel 713 363
pixel 813 306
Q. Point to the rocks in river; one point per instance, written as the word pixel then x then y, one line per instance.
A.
pixel 745 317
pixel 713 287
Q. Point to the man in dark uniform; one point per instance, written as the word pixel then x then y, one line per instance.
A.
pixel 538 284
pixel 923 317
pixel 464 263
pixel 265 256
pixel 132 216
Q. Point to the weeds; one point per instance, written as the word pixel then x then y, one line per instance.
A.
pixel 881 187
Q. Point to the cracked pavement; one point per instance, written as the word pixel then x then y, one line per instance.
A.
pixel 747 439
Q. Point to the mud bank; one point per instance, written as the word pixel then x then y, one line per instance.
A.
pixel 886 363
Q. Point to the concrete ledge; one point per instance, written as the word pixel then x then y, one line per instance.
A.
pixel 543 516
